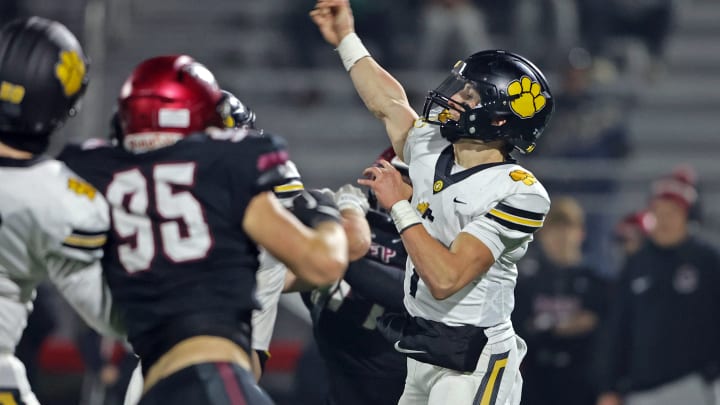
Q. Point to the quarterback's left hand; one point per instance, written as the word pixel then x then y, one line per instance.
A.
pixel 387 183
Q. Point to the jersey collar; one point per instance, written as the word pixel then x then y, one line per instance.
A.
pixel 443 170
pixel 10 162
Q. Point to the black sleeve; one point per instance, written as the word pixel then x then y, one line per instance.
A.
pixel 377 282
pixel 271 163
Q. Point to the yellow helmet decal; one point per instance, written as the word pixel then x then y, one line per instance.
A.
pixel 12 93
pixel 530 101
pixel 70 70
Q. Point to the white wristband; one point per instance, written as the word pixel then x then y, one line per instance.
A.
pixel 351 50
pixel 404 215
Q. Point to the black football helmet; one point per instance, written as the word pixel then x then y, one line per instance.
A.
pixel 510 88
pixel 43 74
pixel 235 113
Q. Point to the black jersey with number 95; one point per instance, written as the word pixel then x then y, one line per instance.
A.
pixel 177 257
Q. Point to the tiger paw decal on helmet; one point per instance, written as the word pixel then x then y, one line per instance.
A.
pixel 529 100
pixel 70 70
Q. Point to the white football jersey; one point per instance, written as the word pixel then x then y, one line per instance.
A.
pixel 52 226
pixel 270 276
pixel 501 204
pixel 270 282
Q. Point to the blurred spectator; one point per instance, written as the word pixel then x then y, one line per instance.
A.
pixel 649 22
pixel 632 230
pixel 590 126
pixel 560 304
pixel 106 374
pixel 450 29
pixel 660 346
pixel 542 27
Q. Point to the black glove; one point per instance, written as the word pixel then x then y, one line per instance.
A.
pixel 312 207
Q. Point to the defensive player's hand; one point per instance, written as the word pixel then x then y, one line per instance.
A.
pixel 387 183
pixel 334 19
pixel 351 197
pixel 312 207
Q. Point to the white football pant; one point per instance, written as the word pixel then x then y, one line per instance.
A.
pixel 495 381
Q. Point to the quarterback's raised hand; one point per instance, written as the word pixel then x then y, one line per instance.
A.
pixel 334 19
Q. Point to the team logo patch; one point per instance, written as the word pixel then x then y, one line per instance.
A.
pixel 423 207
pixel 70 70
pixel 521 175
pixel 425 211
pixel 12 93
pixel 438 185
pixel 686 280
pixel 529 101
pixel 81 188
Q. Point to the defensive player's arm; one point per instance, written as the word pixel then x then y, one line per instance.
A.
pixel 318 255
pixel 359 239
pixel 382 94
pixel 353 206
pixel 378 282
pixel 357 231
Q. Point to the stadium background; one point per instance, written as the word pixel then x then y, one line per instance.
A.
pixel 269 55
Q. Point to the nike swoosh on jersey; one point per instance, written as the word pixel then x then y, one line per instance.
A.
pixel 455 200
pixel 407 351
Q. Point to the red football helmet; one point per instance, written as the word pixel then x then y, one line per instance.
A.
pixel 172 94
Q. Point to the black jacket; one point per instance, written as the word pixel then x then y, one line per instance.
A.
pixel 665 320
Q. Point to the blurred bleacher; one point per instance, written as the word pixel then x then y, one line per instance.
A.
pixel 332 137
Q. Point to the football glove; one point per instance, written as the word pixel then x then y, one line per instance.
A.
pixel 313 206
pixel 351 197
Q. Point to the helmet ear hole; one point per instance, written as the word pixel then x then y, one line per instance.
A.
pixel 234 112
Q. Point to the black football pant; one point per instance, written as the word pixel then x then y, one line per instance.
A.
pixel 207 383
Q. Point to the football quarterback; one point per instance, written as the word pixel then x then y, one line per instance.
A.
pixel 473 211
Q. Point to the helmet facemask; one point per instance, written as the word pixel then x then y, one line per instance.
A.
pixel 514 102
pixel 459 101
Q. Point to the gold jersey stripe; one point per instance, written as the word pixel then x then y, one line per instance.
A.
pixel 288 187
pixel 515 219
pixel 95 241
